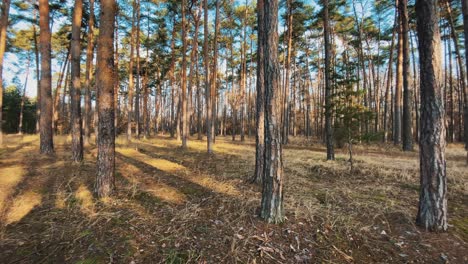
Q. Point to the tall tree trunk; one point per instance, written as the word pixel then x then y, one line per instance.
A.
pixel 388 89
pixel 138 79
pixel 214 74
pixel 415 94
pixel 398 87
pixel 454 36
pixel 5 11
pixel 89 74
pixel 260 104
pixel 130 113
pixel 184 79
pixel 38 74
pixel 63 106
pixel 285 127
pixel 465 89
pixel 199 102
pixel 432 213
pixel 105 181
pixel 23 98
pixel 449 105
pixel 172 79
pixel 272 194
pixel 249 88
pixel 328 89
pixel 75 88
pixel 62 78
pixel 407 90
pixel 242 76
pixel 207 81
pixel 46 137
pixel 194 67
pixel 116 75
pixel 146 110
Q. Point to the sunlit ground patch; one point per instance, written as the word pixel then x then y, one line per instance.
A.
pixel 165 192
pixel 60 200
pixel 215 185
pixel 162 191
pixel 9 178
pixel 22 205
pixel 160 164
pixel 168 166
pixel 85 198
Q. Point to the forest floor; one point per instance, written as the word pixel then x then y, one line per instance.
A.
pixel 184 206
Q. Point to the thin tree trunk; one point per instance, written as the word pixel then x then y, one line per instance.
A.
pixel 88 74
pixel 5 11
pixel 184 79
pixel 137 81
pixel 407 90
pixel 465 89
pixel 460 63
pixel 38 73
pixel 130 75
pixel 328 88
pixel 75 88
pixel 171 79
pixel 214 74
pixel 105 181
pixel 62 77
pixel 398 88
pixel 46 133
pixel 260 106
pixel 388 89
pixel 285 129
pixel 415 94
pixel 449 105
pixel 116 75
pixel 207 81
pixel 194 67
pixel 23 98
pixel 199 102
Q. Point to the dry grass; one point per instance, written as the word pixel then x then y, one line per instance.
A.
pixel 184 206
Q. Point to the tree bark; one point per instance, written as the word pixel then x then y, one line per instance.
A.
pixel 130 112
pixel 105 181
pixel 46 133
pixel 272 194
pixel 137 79
pixel 465 89
pixel 5 11
pixel 388 89
pixel 260 104
pixel 38 74
pixel 285 130
pixel 116 75
pixel 432 213
pixel 23 98
pixel 407 89
pixel 62 78
pixel 88 74
pixel 207 81
pixel 171 79
pixel 328 89
pixel 184 79
pixel 454 37
pixel 214 74
pixel 75 88
pixel 398 87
